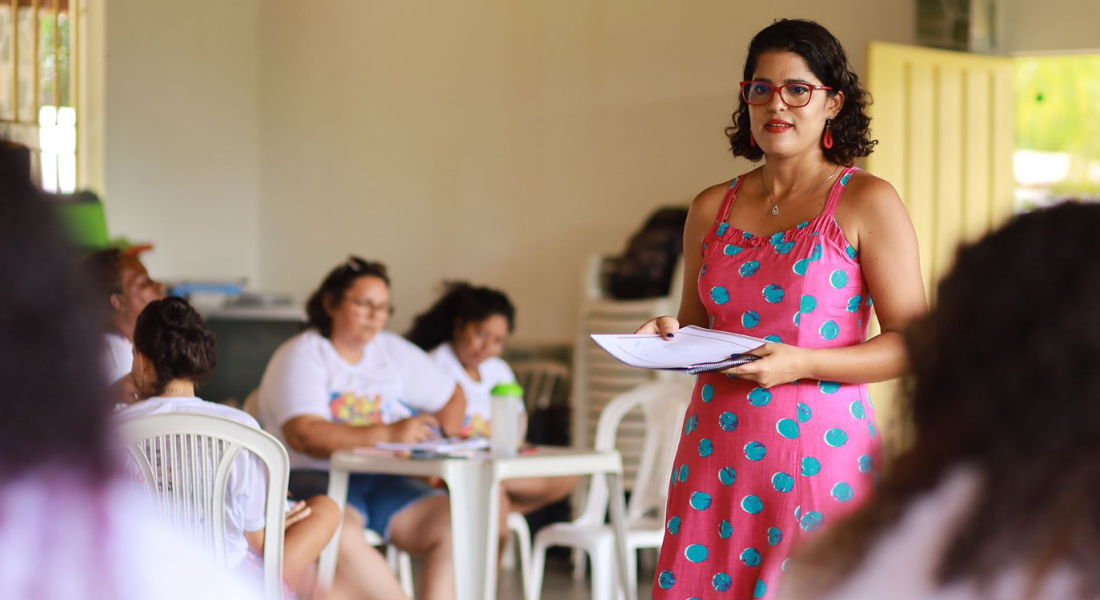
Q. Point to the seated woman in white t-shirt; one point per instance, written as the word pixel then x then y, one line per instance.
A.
pixel 998 497
pixel 125 288
pixel 465 331
pixel 173 349
pixel 346 382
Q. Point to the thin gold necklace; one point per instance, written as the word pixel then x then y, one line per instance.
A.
pixel 775 205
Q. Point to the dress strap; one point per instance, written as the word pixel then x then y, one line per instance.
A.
pixel 731 196
pixel 838 189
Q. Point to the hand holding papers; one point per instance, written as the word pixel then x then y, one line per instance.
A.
pixel 693 349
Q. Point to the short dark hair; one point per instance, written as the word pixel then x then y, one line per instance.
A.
pixel 175 338
pixel 103 269
pixel 54 408
pixel 460 302
pixel 332 289
pixel 1005 383
pixel 827 60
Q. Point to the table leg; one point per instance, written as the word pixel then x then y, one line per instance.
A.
pixel 475 504
pixel 326 568
pixel 617 509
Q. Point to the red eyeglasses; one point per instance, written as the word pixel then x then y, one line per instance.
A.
pixel 795 94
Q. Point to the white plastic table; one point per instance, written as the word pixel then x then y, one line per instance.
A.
pixel 474 486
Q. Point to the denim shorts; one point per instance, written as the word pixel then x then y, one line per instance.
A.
pixel 378 497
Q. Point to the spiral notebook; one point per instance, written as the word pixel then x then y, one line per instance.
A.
pixel 692 350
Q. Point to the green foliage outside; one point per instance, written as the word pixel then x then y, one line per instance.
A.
pixel 1058 110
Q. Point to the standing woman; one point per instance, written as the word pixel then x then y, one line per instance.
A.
pixel 791 252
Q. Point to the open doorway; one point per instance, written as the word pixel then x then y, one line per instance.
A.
pixel 1057 153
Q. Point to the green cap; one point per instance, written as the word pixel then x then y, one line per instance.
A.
pixel 511 390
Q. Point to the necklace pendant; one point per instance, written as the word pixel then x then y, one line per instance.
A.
pixel 775 209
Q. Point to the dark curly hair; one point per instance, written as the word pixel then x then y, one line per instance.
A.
pixel 460 302
pixel 54 409
pixel 332 289
pixel 172 335
pixel 1006 382
pixel 826 58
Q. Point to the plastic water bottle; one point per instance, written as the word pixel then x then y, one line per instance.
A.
pixel 504 439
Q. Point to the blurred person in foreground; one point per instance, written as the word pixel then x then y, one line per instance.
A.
pixel 70 527
pixel 999 496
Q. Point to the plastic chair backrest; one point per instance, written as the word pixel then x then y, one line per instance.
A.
pixel 663 404
pixel 195 453
pixel 540 380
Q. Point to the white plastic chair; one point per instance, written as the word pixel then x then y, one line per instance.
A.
pixel 185 461
pixel 540 380
pixel 662 405
pixel 400 562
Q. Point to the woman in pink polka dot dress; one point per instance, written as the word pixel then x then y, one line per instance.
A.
pixel 791 252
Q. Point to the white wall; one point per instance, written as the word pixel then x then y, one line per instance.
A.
pixel 1051 26
pixel 497 141
pixel 179 135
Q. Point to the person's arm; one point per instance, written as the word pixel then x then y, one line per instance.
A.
pixel 453 414
pixel 876 222
pixel 319 437
pixel 701 215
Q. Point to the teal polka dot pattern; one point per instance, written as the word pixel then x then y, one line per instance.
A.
pixel 760 470
pixel 696 553
pixel 752 504
pixel 751 557
pixel 836 437
pixel 843 492
pixel 810 466
pixel 874 430
pixel 727 475
pixel 727 421
pixel 775 536
pixel 750 319
pixel 760 397
pixel 787 428
pixel 755 451
pixel 773 294
pixel 700 500
pixel 845 178
pixel 708 392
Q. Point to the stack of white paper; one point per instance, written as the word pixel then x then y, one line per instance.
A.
pixel 690 347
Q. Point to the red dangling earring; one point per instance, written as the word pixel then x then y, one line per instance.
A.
pixel 827 140
pixel 752 140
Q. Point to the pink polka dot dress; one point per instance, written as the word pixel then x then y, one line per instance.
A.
pixel 758 469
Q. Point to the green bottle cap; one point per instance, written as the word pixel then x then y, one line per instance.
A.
pixel 511 390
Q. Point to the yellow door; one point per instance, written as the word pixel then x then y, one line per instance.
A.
pixel 944 121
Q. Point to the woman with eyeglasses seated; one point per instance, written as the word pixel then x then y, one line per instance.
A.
pixel 346 382
pixel 791 252
pixel 465 331
pixel 999 496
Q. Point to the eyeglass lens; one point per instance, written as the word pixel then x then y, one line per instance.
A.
pixel 793 94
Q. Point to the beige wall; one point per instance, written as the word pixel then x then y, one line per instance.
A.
pixel 179 132
pixel 501 142
pixel 1051 26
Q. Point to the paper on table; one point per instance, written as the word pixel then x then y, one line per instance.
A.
pixel 691 346
pixel 440 446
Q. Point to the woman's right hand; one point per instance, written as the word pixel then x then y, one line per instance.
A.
pixel 416 429
pixel 664 326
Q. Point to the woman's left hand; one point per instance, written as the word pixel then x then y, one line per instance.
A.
pixel 778 364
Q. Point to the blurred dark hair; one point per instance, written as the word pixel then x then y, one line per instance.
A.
pixel 175 338
pixel 103 269
pixel 54 408
pixel 1006 382
pixel 332 289
pixel 460 302
pixel 826 59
